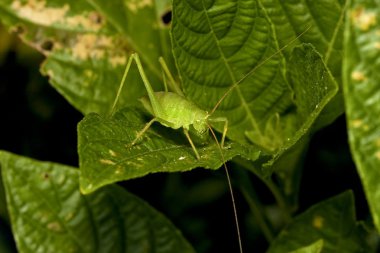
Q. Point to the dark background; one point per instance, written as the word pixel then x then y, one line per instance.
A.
pixel 37 122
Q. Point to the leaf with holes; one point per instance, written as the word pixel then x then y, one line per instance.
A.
pixel 86 46
pixel 362 94
pixel 49 214
pixel 106 156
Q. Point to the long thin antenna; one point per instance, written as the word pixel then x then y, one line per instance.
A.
pixel 254 69
pixel 231 191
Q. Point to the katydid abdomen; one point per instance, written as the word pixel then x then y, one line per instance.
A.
pixel 177 112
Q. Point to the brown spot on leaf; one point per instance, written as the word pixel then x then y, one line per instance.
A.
pixel 107 162
pixel 358 76
pixel 135 5
pixel 96 17
pixel 46 175
pixel 318 222
pixel 18 29
pixel 357 123
pixel 99 47
pixel 54 226
pixel 37 12
pixel 363 19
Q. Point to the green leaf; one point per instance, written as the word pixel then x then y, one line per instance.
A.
pixel 332 220
pixel 362 93
pixel 313 88
pixel 324 21
pixel 218 44
pixel 315 247
pixel 49 214
pixel 105 154
pixel 86 52
pixel 225 47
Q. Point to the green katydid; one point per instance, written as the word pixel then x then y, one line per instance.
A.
pixel 174 110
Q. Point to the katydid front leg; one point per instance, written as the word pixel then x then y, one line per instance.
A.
pixel 225 128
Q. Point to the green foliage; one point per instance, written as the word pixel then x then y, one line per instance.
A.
pixel 312 248
pixel 272 68
pixel 49 214
pixel 106 157
pixel 361 87
pixel 325 221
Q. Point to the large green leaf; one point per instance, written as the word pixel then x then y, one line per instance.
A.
pixel 105 154
pixel 313 88
pixel 362 96
pixel 49 214
pixel 85 48
pixel 324 21
pixel 225 46
pixel 216 44
pixel 332 220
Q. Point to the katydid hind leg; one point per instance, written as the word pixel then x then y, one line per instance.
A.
pixel 172 83
pixel 128 66
pixel 165 81
pixel 155 104
pixel 157 109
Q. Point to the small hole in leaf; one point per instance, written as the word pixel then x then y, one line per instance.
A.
pixel 47 45
pixel 19 29
pixel 167 17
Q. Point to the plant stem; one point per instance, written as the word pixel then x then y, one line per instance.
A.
pixel 249 194
pixel 279 197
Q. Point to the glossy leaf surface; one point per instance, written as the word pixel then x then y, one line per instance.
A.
pixel 49 214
